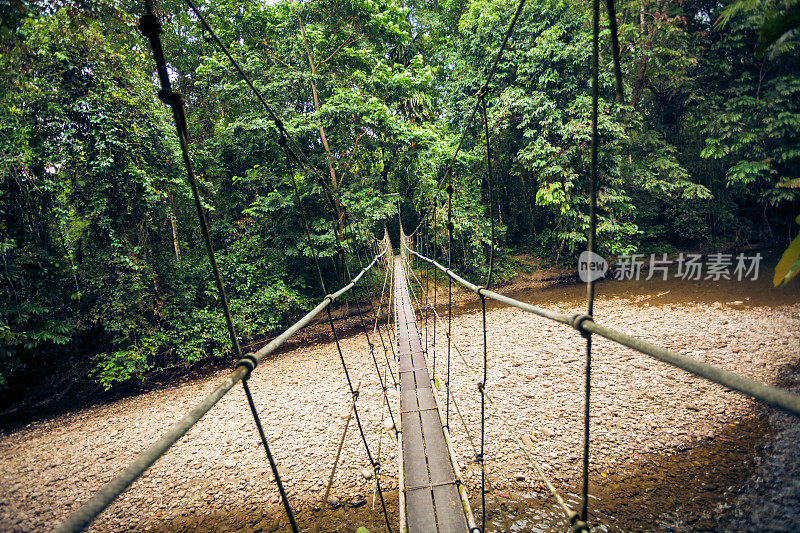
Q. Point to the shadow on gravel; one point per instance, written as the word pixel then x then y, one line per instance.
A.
pixel 273 518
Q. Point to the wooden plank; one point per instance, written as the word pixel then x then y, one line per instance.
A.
pixel 414 464
pixel 407 380
pixel 418 359
pixel 436 448
pixel 420 516
pixel 406 363
pixel 449 511
pixel 408 400
pixel 422 378
pixel 425 399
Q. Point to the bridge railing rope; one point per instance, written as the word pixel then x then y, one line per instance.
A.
pixel 767 394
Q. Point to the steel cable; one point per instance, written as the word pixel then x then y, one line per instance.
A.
pixel 151 27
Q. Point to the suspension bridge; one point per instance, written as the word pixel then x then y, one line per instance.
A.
pixel 431 493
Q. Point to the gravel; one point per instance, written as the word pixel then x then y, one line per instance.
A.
pixel 639 406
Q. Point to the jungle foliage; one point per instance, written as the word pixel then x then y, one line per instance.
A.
pixel 104 272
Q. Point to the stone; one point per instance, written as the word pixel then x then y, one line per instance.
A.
pixel 334 502
pixel 366 472
pixel 357 501
pixel 519 476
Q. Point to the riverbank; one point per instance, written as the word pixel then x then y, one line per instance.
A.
pixel 640 408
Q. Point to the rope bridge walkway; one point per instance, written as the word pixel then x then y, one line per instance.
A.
pixel 431 495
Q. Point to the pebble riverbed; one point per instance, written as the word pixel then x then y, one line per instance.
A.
pixel 536 373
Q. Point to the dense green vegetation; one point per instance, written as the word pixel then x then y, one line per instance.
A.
pixel 104 272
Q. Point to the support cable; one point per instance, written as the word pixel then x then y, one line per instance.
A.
pixel 591 248
pixel 449 293
pixel 373 463
pixel 372 354
pixel 348 227
pixel 84 515
pixel 332 475
pixel 482 389
pixel 491 192
pixel 448 172
pixel 150 26
pixel 768 394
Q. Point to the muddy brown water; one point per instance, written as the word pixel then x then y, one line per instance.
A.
pixel 744 478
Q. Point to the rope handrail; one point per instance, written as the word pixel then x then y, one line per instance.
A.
pixel 768 394
pixel 81 518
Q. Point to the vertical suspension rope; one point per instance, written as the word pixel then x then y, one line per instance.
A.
pixel 482 95
pixel 369 341
pixel 590 248
pixel 354 393
pixel 150 26
pixel 449 294
pixel 435 205
pixel 482 389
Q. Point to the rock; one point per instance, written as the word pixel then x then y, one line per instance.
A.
pixel 548 432
pixel 519 476
pixel 366 472
pixel 527 440
pixel 357 501
pixel 334 502
pixel 692 407
pixel 388 425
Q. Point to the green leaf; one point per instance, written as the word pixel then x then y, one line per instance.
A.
pixel 789 265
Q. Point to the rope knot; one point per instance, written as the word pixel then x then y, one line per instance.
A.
pixel 482 91
pixel 355 394
pixel 282 140
pixel 450 225
pixel 481 386
pixel 150 26
pixel 449 188
pixel 479 457
pixel 248 361
pixel 171 98
pixel 577 323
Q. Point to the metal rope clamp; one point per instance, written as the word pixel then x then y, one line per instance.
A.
pixel 577 323
pixel 150 26
pixel 248 361
pixel 171 98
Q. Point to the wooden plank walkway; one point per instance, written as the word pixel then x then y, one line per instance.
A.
pixel 431 494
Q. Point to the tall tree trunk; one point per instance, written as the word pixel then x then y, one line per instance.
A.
pixel 334 182
pixel 174 224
